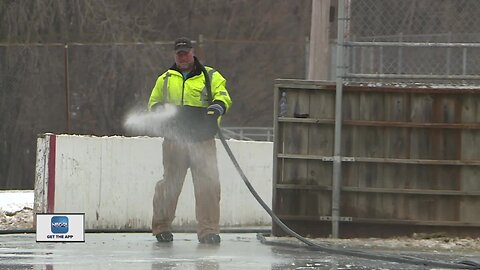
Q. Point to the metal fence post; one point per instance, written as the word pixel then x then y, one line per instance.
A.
pixel 67 90
pixel 400 54
pixel 307 57
pixel 337 161
pixel 448 55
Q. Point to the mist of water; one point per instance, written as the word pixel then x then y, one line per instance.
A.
pixel 149 123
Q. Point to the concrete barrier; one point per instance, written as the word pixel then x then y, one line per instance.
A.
pixel 112 180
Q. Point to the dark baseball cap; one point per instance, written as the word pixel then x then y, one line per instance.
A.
pixel 183 44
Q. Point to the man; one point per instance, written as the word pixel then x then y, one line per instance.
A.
pixel 200 95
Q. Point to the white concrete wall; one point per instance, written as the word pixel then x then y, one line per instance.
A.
pixel 112 180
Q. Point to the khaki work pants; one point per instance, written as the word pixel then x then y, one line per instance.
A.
pixel 201 158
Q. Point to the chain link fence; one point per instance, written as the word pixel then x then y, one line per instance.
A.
pixel 413 41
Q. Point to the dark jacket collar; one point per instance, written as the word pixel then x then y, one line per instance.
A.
pixel 197 68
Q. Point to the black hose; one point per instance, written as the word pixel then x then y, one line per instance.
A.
pixel 332 250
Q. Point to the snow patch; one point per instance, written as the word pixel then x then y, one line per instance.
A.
pixel 16 200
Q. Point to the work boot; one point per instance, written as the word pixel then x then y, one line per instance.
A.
pixel 211 238
pixel 164 237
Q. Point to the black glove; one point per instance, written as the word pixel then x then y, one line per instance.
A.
pixel 216 109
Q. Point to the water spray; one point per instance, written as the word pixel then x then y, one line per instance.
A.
pixel 151 123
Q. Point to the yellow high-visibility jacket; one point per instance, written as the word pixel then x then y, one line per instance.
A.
pixel 192 98
pixel 191 91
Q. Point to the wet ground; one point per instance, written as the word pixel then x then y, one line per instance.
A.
pixel 141 251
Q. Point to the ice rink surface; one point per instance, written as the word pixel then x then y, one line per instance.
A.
pixel 141 251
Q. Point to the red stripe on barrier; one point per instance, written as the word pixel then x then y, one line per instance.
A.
pixel 51 174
